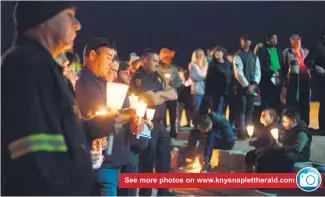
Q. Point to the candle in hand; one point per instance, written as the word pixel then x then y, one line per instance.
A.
pixel 167 76
pixel 275 133
pixel 115 95
pixel 133 101
pixel 140 111
pixel 101 112
pixel 250 130
pixel 150 114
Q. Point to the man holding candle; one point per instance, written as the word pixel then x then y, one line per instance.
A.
pixel 43 145
pixel 99 55
pixel 152 89
pixel 171 75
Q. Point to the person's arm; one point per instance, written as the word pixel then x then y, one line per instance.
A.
pixel 210 144
pixel 168 93
pixel 310 59
pixel 239 72
pixel 300 143
pixel 194 74
pixel 257 72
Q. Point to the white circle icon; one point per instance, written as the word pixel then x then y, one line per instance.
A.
pixel 308 179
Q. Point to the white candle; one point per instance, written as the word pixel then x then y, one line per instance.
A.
pixel 133 101
pixel 150 114
pixel 115 95
pixel 250 130
pixel 141 109
pixel 167 76
pixel 275 133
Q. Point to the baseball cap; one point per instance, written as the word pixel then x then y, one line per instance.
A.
pixel 96 43
pixel 295 37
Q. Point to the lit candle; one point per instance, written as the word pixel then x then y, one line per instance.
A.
pixel 275 133
pixel 150 114
pixel 167 76
pixel 140 111
pixel 115 95
pixel 133 101
pixel 250 130
pixel 101 112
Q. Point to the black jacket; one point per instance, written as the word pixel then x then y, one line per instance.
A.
pixel 218 78
pixel 39 115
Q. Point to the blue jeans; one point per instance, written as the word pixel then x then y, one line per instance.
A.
pixel 197 100
pixel 107 179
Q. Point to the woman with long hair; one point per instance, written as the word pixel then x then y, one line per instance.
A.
pixel 198 68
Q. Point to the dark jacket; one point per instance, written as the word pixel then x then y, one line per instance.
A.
pixel 316 55
pixel 39 111
pixel 265 61
pixel 297 141
pixel 218 78
pixel 91 97
pixel 264 137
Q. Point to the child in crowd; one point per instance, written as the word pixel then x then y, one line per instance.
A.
pixel 269 118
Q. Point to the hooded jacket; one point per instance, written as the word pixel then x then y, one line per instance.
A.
pixel 297 140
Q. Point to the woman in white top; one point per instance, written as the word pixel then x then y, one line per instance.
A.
pixel 198 69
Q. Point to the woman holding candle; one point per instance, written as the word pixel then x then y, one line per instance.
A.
pixel 269 118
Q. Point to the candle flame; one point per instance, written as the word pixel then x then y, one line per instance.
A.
pixel 101 112
pixel 250 130
pixel 196 166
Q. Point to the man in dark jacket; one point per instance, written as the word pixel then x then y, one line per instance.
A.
pixel 270 57
pixel 316 60
pixel 247 73
pixel 44 150
pixel 99 56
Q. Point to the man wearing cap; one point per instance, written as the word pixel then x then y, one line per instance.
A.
pixel 101 64
pixel 316 60
pixel 247 77
pixel 153 90
pixel 291 56
pixel 171 75
pixel 44 149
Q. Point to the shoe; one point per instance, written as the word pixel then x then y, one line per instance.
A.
pixel 205 167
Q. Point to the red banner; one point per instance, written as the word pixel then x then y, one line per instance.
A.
pixel 207 180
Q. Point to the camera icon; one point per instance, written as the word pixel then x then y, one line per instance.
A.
pixel 308 179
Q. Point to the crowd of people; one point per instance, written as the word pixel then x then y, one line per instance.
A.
pixel 53 137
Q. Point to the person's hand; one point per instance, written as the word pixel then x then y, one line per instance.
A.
pixel 104 143
pixel 283 95
pixel 126 116
pixel 277 74
pixel 278 145
pixel 320 70
pixel 149 123
pixel 251 89
pixel 250 141
pixel 136 126
pixel 95 156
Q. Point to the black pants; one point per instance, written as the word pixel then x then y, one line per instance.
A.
pixel 172 107
pixel 131 167
pixel 321 89
pixel 244 113
pixel 157 154
pixel 299 83
pixel 270 96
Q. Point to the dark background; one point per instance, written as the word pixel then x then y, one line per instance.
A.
pixel 185 26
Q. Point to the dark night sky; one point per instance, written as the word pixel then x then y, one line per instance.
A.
pixel 185 26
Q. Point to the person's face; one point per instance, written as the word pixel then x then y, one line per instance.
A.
pixel 245 44
pixel 124 76
pixel 265 118
pixel 166 58
pixel 151 62
pixel 218 55
pixel 111 73
pixel 62 28
pixel 200 55
pixel 287 123
pixel 295 43
pixel 273 41
pixel 102 60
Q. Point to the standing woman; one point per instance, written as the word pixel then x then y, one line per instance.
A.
pixel 198 69
pixel 218 79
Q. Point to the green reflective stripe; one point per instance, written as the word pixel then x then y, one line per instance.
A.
pixel 36 143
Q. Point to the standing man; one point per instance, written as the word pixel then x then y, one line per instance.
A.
pixel 99 57
pixel 270 57
pixel 298 54
pixel 170 73
pixel 247 77
pixel 151 88
pixel 316 60
pixel 44 149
